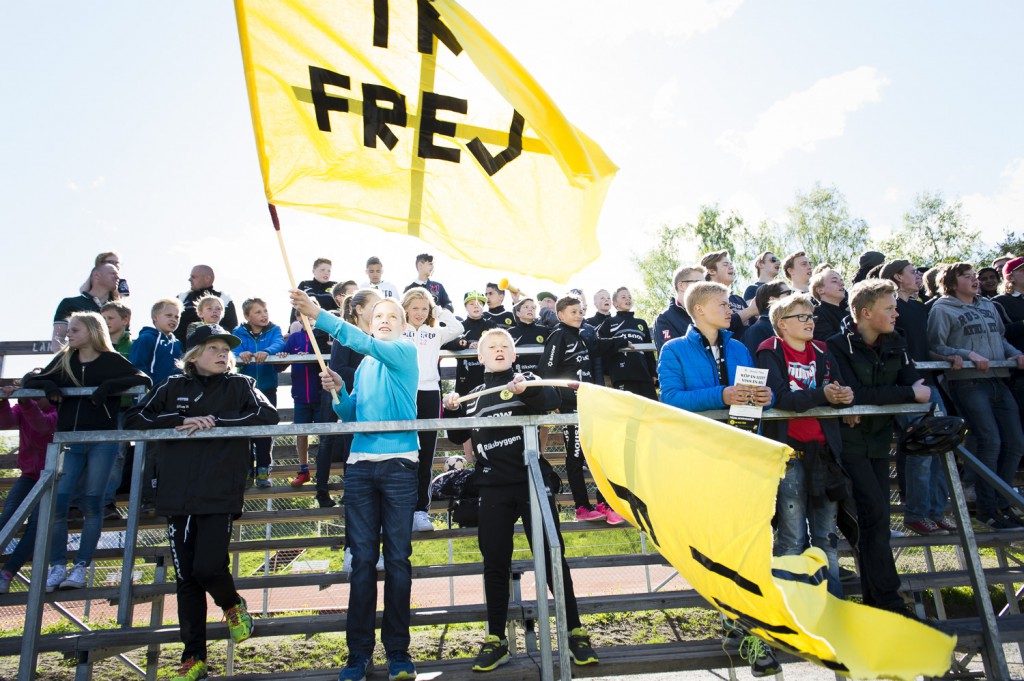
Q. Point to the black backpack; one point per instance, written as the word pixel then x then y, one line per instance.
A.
pixel 462 495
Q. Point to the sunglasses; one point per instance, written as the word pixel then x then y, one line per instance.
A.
pixel 773 260
pixel 803 318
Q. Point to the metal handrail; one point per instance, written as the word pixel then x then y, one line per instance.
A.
pixel 545 532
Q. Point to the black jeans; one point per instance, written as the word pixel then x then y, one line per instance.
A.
pixel 199 548
pixel 878 577
pixel 428 406
pixel 500 507
pixel 332 448
pixel 574 463
pixel 263 447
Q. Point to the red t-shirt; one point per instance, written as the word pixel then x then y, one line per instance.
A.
pixel 802 367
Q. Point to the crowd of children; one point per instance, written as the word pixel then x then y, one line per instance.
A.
pixel 821 344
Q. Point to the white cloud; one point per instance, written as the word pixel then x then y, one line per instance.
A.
pixel 1002 212
pixel 805 118
pixel 612 22
pixel 664 104
pixel 891 195
pixel 73 186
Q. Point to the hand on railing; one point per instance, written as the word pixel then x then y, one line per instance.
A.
pixel 980 361
pixel 194 423
pixel 922 393
pixel 838 394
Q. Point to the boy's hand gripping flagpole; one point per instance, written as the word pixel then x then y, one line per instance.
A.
pixel 291 280
pixel 553 382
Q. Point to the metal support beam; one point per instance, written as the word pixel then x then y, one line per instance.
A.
pixel 992 649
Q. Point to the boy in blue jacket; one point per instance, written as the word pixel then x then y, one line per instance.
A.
pixel 261 339
pixel 697 373
pixel 156 351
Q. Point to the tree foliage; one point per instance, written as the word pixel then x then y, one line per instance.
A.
pixel 656 266
pixel 820 223
pixel 934 231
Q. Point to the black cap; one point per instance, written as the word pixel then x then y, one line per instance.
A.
pixel 208 332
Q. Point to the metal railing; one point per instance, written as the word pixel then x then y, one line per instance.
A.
pixel 43 494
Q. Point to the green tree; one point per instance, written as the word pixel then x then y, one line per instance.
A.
pixel 934 231
pixel 820 223
pixel 656 266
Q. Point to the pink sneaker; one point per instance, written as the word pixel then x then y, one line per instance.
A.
pixel 584 513
pixel 611 516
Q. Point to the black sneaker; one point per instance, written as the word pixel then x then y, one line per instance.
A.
pixel 493 653
pixel 760 656
pixel 996 522
pixel 110 512
pixel 1011 518
pixel 324 500
pixel 579 647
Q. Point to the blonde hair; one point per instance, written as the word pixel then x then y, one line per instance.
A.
pixel 159 305
pixel 187 363
pixel 684 271
pixel 99 340
pixel 401 309
pixel 496 331
pixel 783 307
pixel 701 292
pixel 419 293
pixel 205 300
pixel 865 293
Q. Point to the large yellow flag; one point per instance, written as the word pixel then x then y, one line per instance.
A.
pixel 409 116
pixel 705 494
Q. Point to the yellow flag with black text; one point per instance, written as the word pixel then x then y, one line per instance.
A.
pixel 704 493
pixel 410 116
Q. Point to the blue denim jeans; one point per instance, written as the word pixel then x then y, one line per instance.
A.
pixel 991 412
pixel 92 461
pixel 926 493
pixel 380 498
pixel 21 553
pixel 794 512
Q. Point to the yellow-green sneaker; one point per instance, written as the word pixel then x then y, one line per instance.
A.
pixel 240 622
pixel 579 647
pixel 191 670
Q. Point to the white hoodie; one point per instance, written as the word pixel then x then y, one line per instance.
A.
pixel 428 341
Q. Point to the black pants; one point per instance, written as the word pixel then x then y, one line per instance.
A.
pixel 574 463
pixel 428 406
pixel 641 388
pixel 262 447
pixel 333 448
pixel 199 548
pixel 500 507
pixel 878 577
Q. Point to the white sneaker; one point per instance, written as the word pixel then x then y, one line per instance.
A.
pixel 5 582
pixel 421 522
pixel 56 575
pixel 76 578
pixel 346 562
pixel 380 563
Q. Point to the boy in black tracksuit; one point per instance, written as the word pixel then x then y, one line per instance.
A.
pixel 527 331
pixel 635 372
pixel 567 356
pixel 469 373
pixel 501 476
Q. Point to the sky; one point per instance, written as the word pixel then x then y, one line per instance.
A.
pixel 126 127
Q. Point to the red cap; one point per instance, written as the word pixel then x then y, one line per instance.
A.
pixel 1009 267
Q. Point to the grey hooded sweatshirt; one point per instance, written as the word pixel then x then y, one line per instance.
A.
pixel 958 328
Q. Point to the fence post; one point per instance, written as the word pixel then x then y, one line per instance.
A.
pixel 40 565
pixel 126 606
pixel 992 649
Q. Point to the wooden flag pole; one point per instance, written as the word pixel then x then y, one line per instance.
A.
pixel 291 280
pixel 555 383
